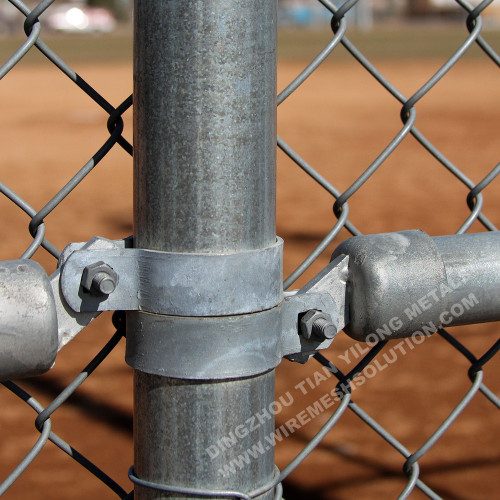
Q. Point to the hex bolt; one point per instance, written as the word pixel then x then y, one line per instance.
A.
pixel 318 325
pixel 99 279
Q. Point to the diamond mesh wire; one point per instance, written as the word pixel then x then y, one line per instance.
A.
pixel 114 138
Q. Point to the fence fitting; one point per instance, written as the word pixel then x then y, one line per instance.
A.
pixel 201 279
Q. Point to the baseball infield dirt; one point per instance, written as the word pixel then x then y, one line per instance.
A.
pixel 339 121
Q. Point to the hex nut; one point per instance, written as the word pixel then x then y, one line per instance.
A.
pixel 99 279
pixel 317 325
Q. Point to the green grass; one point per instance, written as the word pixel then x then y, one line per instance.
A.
pixel 400 42
pixel 76 48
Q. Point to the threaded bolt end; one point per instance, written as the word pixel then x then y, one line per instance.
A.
pixel 103 283
pixel 323 329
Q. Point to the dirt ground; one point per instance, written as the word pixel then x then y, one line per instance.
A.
pixel 339 121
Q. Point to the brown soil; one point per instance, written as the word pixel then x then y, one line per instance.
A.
pixel 339 121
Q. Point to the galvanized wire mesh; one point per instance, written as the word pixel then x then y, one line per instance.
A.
pixel 32 29
pixel 475 202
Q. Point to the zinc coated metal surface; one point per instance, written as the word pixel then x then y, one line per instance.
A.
pixel 409 459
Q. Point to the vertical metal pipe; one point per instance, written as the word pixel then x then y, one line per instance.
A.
pixel 205 80
pixel 204 181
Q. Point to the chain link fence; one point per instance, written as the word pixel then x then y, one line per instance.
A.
pixel 366 364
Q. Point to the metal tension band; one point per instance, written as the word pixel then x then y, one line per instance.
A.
pixel 233 346
pixel 199 316
pixel 221 314
pixel 179 284
pixel 202 348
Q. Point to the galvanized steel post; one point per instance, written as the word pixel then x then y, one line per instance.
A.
pixel 204 174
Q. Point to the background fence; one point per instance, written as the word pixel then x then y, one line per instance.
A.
pixel 392 142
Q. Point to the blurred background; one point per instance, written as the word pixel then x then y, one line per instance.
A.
pixel 103 16
pixel 338 121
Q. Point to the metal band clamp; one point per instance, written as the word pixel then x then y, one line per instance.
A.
pixel 178 284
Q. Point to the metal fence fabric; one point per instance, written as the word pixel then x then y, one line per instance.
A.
pixel 475 200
